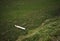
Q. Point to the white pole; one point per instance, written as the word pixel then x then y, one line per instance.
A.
pixel 20 27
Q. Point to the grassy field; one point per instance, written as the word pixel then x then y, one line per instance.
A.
pixel 41 18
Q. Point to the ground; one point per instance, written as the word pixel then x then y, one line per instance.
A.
pixel 41 18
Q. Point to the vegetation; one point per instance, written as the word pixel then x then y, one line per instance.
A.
pixel 41 18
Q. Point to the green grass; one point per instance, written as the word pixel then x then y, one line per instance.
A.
pixel 41 18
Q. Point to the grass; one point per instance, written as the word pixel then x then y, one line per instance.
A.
pixel 39 17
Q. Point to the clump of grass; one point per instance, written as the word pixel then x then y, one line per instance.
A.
pixel 35 37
